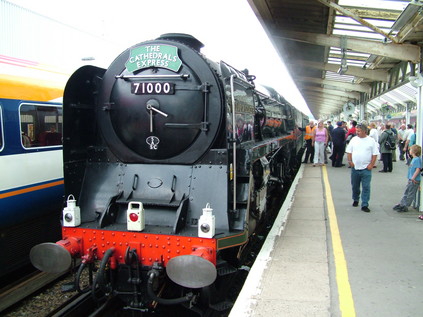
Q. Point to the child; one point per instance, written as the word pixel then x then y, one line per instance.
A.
pixel 413 180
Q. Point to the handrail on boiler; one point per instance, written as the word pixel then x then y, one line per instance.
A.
pixel 234 139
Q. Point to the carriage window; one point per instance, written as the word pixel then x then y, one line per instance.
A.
pixel 41 125
pixel 1 129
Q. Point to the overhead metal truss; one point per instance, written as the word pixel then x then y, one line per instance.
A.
pixel 342 51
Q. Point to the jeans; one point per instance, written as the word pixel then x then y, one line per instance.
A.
pixel 319 152
pixel 364 178
pixel 410 193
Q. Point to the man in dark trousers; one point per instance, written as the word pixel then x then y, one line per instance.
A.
pixel 308 138
pixel 338 141
pixel 385 150
pixel 330 127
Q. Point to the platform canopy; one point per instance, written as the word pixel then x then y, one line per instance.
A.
pixel 347 53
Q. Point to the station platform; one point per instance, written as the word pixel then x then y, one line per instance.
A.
pixel 324 257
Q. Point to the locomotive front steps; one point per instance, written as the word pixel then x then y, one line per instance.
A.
pixel 222 306
pixel 225 268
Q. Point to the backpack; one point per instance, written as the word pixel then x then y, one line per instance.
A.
pixel 350 136
pixel 390 142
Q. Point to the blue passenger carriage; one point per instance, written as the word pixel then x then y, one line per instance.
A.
pixel 31 187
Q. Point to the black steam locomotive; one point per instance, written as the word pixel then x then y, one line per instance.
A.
pixel 168 163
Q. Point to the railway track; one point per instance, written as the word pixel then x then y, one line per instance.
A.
pixel 82 305
pixel 12 294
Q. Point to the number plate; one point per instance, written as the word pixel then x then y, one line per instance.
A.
pixel 146 88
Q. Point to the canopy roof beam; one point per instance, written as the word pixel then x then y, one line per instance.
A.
pixel 377 75
pixel 347 86
pixel 403 52
pixel 335 92
pixel 358 19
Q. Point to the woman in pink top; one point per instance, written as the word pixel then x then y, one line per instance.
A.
pixel 319 141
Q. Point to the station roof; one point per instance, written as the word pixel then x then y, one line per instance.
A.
pixel 342 53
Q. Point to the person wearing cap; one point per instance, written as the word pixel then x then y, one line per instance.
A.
pixel 362 152
pixel 338 141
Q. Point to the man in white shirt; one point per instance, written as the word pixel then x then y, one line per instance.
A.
pixel 362 153
pixel 373 132
pixel 406 137
pixel 375 135
pixel 401 141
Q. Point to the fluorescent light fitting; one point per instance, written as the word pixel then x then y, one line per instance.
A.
pixel 371 58
pixel 406 15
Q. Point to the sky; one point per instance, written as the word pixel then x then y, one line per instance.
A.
pixel 229 30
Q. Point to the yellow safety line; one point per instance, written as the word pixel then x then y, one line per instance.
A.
pixel 346 302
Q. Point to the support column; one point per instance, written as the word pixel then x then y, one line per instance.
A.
pixel 363 107
pixel 419 136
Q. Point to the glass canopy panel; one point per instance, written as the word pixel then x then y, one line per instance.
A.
pixel 375 4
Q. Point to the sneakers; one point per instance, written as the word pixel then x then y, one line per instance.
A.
pixel 396 207
pixel 355 203
pixel 402 209
pixel 365 209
